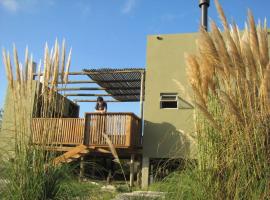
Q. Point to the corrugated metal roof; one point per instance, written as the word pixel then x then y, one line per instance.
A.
pixel 125 82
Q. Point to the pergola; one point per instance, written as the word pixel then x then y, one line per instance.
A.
pixel 119 85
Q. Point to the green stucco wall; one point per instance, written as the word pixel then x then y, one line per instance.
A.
pixel 7 133
pixel 168 133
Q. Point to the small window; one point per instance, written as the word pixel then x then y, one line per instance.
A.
pixel 168 100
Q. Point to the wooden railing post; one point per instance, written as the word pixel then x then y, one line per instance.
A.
pixel 86 135
pixel 128 130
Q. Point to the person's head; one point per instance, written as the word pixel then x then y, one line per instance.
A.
pixel 100 100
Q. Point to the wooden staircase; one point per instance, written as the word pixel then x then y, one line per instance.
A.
pixel 71 155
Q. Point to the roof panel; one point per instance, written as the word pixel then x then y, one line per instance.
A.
pixel 127 80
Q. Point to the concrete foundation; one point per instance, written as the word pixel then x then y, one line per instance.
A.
pixel 145 172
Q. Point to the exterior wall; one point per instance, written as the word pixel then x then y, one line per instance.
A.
pixel 7 136
pixel 168 133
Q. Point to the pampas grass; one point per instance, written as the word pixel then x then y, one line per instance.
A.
pixel 230 78
pixel 116 157
pixel 30 173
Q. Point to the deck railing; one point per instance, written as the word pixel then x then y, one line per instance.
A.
pixel 58 130
pixel 123 130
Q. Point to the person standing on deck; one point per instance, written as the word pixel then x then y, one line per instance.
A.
pixel 101 106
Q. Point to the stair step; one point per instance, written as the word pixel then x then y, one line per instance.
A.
pixel 69 160
pixel 71 155
pixel 84 151
pixel 76 156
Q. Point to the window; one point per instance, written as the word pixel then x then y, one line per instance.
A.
pixel 173 101
pixel 169 101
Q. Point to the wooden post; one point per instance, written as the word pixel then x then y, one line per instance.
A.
pixel 110 163
pixel 139 176
pixel 139 172
pixel 81 168
pixel 93 172
pixel 86 136
pixel 131 176
pixel 128 130
pixel 109 177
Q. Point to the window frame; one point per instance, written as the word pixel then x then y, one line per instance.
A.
pixel 169 94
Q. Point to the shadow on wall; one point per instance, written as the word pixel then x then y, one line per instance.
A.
pixel 164 140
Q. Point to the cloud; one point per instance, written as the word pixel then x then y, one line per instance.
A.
pixel 129 6
pixel 84 8
pixel 23 5
pixel 10 5
pixel 170 17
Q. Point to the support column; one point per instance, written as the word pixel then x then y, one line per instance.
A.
pixel 93 171
pixel 145 172
pixel 109 163
pixel 131 176
pixel 109 177
pixel 139 172
pixel 81 176
pixel 141 102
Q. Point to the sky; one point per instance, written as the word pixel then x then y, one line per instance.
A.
pixel 105 33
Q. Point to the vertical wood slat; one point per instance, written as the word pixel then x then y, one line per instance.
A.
pixel 58 130
pixel 123 129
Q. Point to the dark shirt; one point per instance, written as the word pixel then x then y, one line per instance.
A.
pixel 102 106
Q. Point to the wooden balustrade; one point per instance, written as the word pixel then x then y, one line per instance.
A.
pixel 58 130
pixel 123 130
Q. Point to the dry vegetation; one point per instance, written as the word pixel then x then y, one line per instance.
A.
pixel 230 76
pixel 29 172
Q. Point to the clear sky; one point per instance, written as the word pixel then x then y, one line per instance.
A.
pixel 105 33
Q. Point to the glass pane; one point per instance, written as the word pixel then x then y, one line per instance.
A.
pixel 168 104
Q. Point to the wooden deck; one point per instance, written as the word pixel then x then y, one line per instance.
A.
pixel 123 130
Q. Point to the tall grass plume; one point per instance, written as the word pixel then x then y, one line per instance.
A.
pixel 230 78
pixel 29 171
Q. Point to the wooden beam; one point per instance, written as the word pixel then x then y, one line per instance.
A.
pixel 77 82
pixel 56 148
pixel 96 95
pixel 97 72
pixel 131 176
pixel 96 88
pixel 94 100
pixel 104 81
pixel 103 150
pixel 105 72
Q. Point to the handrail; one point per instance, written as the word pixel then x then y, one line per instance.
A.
pixel 122 129
pixel 114 113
